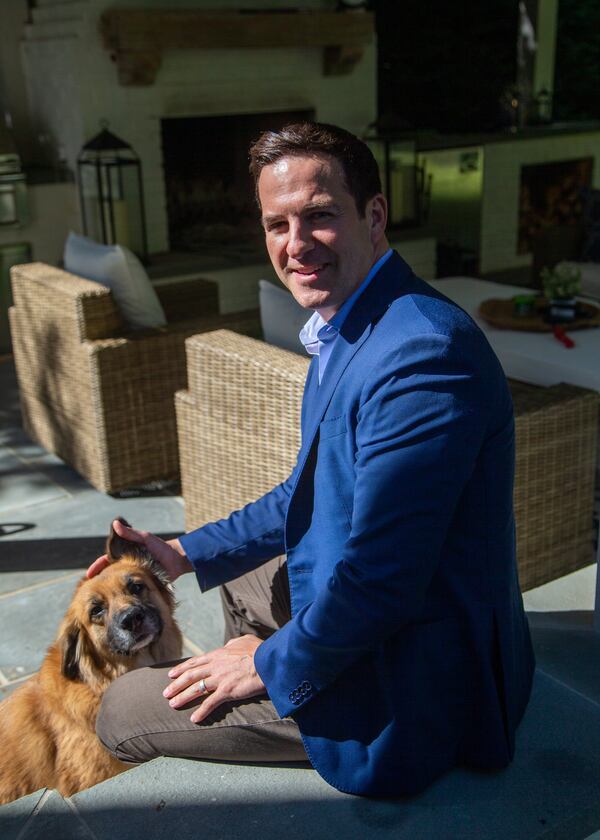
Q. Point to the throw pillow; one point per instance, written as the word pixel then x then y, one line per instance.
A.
pixel 118 268
pixel 281 317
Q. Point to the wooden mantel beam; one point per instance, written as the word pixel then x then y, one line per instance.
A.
pixel 137 38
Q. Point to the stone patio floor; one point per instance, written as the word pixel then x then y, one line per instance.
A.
pixel 53 523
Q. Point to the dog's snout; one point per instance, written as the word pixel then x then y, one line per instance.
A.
pixel 130 619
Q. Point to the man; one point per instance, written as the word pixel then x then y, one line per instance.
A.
pixel 405 649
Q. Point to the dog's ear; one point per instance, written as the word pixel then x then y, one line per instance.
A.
pixel 70 649
pixel 79 659
pixel 117 547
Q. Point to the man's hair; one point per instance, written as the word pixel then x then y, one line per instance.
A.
pixel 360 169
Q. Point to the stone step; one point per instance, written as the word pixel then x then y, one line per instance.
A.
pixel 550 791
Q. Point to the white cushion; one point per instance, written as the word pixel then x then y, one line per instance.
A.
pixel 118 268
pixel 281 317
pixel 590 277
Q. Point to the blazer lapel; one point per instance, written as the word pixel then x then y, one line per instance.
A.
pixel 388 284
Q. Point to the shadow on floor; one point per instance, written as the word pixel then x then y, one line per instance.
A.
pixel 23 555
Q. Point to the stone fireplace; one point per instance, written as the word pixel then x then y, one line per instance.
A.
pixel 237 67
pixel 209 192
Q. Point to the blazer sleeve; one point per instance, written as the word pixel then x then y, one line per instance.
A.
pixel 421 422
pixel 224 550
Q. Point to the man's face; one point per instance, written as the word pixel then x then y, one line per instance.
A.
pixel 319 245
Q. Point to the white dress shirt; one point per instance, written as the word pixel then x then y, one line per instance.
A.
pixel 319 336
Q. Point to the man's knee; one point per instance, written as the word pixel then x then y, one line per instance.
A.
pixel 116 722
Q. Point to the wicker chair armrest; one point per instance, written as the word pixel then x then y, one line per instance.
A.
pixel 44 293
pixel 182 299
pixel 246 322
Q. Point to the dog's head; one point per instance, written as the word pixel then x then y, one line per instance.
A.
pixel 121 618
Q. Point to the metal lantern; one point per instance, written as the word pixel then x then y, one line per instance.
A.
pixel 402 180
pixel 110 189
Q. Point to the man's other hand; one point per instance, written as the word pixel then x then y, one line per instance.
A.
pixel 227 673
pixel 169 553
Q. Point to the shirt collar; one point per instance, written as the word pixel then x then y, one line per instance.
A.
pixel 318 329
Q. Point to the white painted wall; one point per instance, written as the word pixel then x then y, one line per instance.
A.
pixel 13 91
pixel 53 212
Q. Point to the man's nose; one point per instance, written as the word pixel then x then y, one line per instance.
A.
pixel 300 240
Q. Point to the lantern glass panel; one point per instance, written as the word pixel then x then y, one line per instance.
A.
pixel 129 212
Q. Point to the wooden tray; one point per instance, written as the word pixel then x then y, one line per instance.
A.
pixel 500 312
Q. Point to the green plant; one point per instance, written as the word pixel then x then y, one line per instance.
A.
pixel 560 282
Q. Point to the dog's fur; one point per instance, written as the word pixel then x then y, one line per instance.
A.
pixel 117 621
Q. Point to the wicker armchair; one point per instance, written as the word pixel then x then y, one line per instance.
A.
pixel 238 427
pixel 96 394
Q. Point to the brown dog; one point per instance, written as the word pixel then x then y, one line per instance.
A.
pixel 119 620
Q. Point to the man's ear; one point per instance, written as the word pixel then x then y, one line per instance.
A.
pixel 377 210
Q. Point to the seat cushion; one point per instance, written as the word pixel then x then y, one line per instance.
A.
pixel 118 268
pixel 281 317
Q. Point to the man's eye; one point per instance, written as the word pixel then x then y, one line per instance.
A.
pixel 96 610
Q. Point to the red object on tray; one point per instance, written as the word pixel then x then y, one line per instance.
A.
pixel 561 335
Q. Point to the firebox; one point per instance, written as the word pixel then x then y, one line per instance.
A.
pixel 551 194
pixel 210 195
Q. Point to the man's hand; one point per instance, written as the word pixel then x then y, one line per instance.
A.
pixel 169 553
pixel 228 674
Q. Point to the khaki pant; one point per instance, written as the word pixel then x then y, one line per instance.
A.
pixel 136 723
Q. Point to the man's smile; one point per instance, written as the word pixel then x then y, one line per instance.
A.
pixel 307 272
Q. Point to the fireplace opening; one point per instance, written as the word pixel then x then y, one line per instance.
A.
pixel 210 196
pixel 551 194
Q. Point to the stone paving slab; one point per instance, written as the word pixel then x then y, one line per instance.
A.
pixel 21 444
pixel 90 513
pixel 567 648
pixel 55 819
pixel 11 582
pixel 30 619
pixel 14 816
pixel 28 487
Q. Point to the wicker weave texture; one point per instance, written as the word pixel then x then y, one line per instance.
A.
pixel 556 435
pixel 96 394
pixel 238 429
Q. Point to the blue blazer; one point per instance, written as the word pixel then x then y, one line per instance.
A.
pixel 408 651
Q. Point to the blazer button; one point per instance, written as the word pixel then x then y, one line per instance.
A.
pixel 306 686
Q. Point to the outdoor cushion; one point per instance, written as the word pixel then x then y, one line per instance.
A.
pixel 281 317
pixel 118 268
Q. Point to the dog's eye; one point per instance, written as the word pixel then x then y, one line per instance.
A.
pixel 135 587
pixel 96 610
